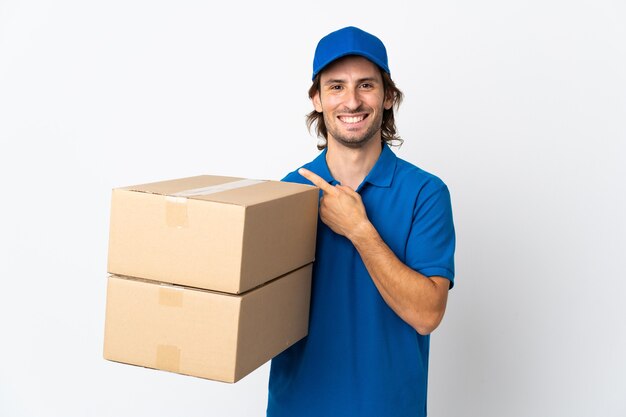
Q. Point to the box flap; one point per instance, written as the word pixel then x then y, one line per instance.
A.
pixel 170 187
pixel 257 193
pixel 243 192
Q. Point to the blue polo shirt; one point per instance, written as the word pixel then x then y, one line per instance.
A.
pixel 360 358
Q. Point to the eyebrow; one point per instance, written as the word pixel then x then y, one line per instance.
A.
pixel 359 81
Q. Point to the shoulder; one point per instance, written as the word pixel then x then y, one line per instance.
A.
pixel 423 183
pixel 294 176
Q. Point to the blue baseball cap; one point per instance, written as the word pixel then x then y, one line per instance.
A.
pixel 349 41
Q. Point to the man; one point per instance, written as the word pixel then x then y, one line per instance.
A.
pixel 385 248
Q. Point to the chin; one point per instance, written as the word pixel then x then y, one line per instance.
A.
pixel 354 143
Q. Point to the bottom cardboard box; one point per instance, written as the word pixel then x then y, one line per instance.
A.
pixel 204 333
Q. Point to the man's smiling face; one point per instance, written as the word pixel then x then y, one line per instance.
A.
pixel 352 100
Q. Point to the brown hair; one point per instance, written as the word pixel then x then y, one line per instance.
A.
pixel 388 128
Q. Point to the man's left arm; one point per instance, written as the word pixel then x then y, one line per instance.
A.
pixel 419 300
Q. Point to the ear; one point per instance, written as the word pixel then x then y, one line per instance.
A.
pixel 388 103
pixel 317 102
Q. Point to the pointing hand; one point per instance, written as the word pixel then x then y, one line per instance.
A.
pixel 341 208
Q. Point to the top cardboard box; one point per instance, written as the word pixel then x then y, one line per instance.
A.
pixel 219 233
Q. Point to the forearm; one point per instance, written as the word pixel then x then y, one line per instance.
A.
pixel 418 300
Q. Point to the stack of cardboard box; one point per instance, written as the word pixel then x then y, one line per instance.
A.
pixel 211 276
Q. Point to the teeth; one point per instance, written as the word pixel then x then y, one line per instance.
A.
pixel 355 119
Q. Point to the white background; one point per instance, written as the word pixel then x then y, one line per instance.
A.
pixel 518 106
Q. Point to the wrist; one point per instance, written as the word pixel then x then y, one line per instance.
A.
pixel 361 232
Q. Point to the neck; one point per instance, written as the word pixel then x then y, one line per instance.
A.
pixel 350 166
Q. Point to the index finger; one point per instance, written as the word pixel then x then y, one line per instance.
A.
pixel 317 180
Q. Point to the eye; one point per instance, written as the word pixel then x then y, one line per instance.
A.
pixel 367 86
pixel 336 87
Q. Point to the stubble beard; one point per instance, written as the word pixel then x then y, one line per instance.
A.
pixel 354 142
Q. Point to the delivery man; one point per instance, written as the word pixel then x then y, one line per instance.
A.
pixel 385 250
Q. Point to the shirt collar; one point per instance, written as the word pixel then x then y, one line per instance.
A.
pixel 320 167
pixel 381 174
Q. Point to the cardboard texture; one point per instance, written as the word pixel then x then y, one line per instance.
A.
pixel 204 333
pixel 220 233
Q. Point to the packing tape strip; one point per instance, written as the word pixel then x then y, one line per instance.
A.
pixel 217 188
pixel 176 211
pixel 176 204
pixel 168 358
pixel 170 296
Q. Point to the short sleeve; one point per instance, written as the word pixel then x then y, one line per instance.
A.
pixel 431 243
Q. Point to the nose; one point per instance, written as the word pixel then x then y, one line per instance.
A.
pixel 353 100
